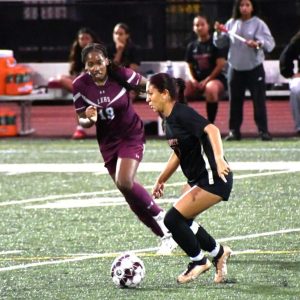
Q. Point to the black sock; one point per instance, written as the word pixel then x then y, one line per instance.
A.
pixel 182 233
pixel 207 242
pixel 221 251
pixel 211 110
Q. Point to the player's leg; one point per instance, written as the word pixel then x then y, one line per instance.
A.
pixel 213 92
pixel 148 210
pixel 135 195
pixel 178 221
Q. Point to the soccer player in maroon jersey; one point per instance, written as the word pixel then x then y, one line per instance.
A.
pixel 198 149
pixel 101 98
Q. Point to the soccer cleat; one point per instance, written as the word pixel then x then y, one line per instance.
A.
pixel 221 265
pixel 79 134
pixel 167 245
pixel 193 271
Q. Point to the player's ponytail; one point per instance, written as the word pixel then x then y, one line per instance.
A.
pixel 175 86
pixel 180 83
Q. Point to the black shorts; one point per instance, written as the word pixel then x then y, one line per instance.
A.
pixel 219 187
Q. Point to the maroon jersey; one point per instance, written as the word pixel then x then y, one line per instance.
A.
pixel 117 119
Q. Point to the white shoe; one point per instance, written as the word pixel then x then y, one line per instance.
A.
pixel 167 245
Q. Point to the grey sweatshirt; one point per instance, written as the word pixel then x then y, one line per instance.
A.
pixel 240 56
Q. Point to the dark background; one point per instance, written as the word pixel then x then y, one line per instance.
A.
pixel 42 31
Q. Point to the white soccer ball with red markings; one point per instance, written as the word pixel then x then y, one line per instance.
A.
pixel 127 271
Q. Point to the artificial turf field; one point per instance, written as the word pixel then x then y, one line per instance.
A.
pixel 63 222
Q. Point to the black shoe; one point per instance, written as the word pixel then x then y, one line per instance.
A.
pixel 233 136
pixel 265 136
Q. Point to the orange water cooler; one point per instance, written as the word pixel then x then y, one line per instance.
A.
pixel 8 125
pixel 6 61
pixel 15 79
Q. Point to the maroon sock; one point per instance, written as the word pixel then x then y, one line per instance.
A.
pixel 144 207
pixel 139 195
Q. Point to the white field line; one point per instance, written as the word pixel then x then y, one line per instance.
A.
pixel 92 150
pixel 113 254
pixel 95 202
pixel 255 235
pixel 78 195
pixel 99 168
pixel 10 252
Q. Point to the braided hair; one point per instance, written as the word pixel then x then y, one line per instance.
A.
pixel 112 68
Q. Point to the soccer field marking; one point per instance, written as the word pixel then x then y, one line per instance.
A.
pixel 98 168
pixel 94 202
pixel 144 252
pixel 10 252
pixel 255 235
pixel 94 150
pixel 115 191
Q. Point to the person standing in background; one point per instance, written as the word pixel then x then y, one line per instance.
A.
pixel 286 62
pixel 206 65
pixel 245 60
pixel 84 36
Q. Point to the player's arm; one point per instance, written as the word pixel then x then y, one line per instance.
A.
pixel 143 82
pixel 169 169
pixel 220 63
pixel 88 117
pixel 216 142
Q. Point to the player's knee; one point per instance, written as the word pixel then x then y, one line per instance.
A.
pixel 172 218
pixel 124 184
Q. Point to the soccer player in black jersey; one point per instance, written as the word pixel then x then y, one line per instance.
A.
pixel 198 150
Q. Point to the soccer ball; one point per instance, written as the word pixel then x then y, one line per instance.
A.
pixel 127 271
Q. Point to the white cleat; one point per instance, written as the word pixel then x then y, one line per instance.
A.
pixel 167 245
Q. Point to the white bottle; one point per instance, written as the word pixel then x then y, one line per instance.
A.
pixel 169 68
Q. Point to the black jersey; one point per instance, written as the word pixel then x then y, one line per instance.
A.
pixel 186 136
pixel 203 56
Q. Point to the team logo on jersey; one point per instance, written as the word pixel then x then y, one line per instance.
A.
pixel 105 99
pixel 173 143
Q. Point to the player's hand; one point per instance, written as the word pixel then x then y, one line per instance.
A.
pixel 120 45
pixel 158 190
pixel 203 83
pixel 223 168
pixel 91 113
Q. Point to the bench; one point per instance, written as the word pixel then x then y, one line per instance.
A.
pixel 42 72
pixel 277 85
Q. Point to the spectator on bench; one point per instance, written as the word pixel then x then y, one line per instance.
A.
pixel 206 67
pixel 290 53
pixel 83 38
pixel 123 52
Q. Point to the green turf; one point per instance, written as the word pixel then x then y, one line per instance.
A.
pixel 257 205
